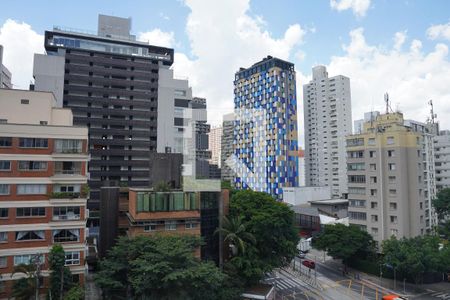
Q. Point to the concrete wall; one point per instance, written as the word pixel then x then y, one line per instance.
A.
pixel 302 195
pixel 48 73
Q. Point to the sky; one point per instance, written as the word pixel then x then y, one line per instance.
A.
pixel 399 47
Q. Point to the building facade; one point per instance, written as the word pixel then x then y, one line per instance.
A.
pixel 110 81
pixel 385 179
pixel 226 145
pixel 265 133
pixel 328 120
pixel 215 145
pixel 442 159
pixel 43 180
pixel 5 74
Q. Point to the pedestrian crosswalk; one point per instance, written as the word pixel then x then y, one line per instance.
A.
pixel 282 283
pixel 441 295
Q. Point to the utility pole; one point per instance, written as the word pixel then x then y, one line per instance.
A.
pixel 36 260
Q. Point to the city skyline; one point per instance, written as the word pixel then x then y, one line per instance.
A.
pixel 404 55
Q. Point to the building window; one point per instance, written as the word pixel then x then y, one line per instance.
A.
pixel 32 165
pixel 66 213
pixel 394 219
pixel 372 154
pixel 355 154
pixel 66 235
pixel 373 167
pixel 33 143
pixel 4 212
pixel 355 142
pixel 5 165
pixel 393 192
pixel 68 146
pixel 394 232
pixel 391 179
pixel 3 261
pixel 357 190
pixel 357 178
pixel 421 219
pixel 3 237
pixel 4 189
pixel 421 205
pixel 26 259
pixel 373 192
pixel 353 215
pixel 161 201
pixel 24 101
pixel 30 212
pixel 374 218
pixel 391 153
pixel 357 203
pixel 66 188
pixel 31 189
pixel 373 205
pixel 373 179
pixel 5 141
pixel 374 231
pixel 31 235
pixel 191 225
pixel 148 228
pixel 72 258
pixel 371 142
pixel 356 167
pixel 390 140
pixel 171 225
pixel 393 206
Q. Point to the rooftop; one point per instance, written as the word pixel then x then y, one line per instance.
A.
pixel 330 201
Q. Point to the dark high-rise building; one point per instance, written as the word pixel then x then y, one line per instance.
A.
pixel 110 81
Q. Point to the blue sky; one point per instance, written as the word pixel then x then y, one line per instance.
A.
pixel 212 39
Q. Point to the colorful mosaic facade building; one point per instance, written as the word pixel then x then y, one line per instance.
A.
pixel 265 132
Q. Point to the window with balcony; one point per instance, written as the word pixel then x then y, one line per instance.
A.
pixel 355 142
pixel 5 165
pixel 67 167
pixel 66 213
pixel 33 143
pixel 66 235
pixel 4 189
pixel 30 212
pixel 31 235
pixel 72 258
pixel 357 190
pixel 357 178
pixel 357 203
pixel 5 141
pixel 26 165
pixel 31 189
pixel 26 259
pixel 356 167
pixel 68 146
pixel 355 154
pixel 171 225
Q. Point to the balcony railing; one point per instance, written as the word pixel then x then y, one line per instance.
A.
pixel 68 150
pixel 64 195
pixel 66 217
pixel 68 172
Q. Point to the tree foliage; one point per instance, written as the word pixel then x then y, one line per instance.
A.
pixel 75 293
pixel 442 203
pixel 272 225
pixel 235 234
pixel 159 267
pixel 412 257
pixel 58 272
pixel 344 242
pixel 24 288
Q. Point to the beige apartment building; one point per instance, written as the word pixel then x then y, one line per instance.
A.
pixel 385 178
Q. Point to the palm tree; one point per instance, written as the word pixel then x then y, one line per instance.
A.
pixel 24 288
pixel 235 234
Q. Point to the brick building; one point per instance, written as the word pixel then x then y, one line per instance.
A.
pixel 43 176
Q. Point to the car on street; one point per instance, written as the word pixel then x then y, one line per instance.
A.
pixel 309 263
pixel 301 255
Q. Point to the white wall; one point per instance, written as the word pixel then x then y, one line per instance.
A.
pixel 302 195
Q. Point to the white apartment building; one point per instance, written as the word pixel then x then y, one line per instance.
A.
pixel 328 120
pixel 442 159
pixel 215 142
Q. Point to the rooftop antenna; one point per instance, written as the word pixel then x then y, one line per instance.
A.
pixel 388 104
pixel 433 115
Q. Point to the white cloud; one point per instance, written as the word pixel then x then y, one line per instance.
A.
pixel 158 37
pixel 441 31
pixel 411 77
pixel 359 7
pixel 221 44
pixel 164 16
pixel 20 42
pixel 399 40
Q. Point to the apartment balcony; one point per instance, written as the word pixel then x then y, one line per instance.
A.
pixel 67 217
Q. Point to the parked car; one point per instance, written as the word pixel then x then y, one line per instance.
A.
pixel 393 297
pixel 301 255
pixel 309 263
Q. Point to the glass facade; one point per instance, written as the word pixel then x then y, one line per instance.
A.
pixel 166 201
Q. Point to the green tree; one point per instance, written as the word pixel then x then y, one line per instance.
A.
pixel 344 242
pixel 272 225
pixel 24 288
pixel 235 234
pixel 160 267
pixel 442 203
pixel 60 275
pixel 75 293
pixel 412 257
pixel 162 186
